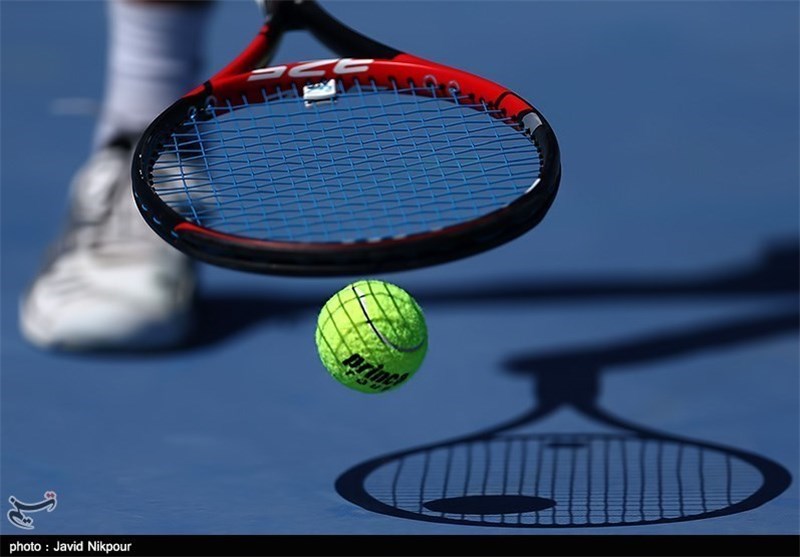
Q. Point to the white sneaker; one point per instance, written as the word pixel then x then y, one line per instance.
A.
pixel 110 281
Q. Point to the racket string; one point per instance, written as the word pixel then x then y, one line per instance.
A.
pixel 377 162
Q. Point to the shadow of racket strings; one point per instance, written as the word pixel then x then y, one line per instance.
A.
pixel 613 473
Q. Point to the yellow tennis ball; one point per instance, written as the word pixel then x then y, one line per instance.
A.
pixel 371 336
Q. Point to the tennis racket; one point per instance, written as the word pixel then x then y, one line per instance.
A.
pixel 374 161
pixel 612 473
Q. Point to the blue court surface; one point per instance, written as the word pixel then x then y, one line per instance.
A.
pixel 659 297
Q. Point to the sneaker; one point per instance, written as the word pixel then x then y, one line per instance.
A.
pixel 109 282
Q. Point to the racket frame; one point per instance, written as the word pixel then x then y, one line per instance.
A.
pixel 245 78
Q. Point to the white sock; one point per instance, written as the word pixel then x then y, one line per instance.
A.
pixel 154 57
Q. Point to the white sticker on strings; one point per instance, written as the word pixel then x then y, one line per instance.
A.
pixel 324 91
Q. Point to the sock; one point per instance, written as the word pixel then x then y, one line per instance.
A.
pixel 154 57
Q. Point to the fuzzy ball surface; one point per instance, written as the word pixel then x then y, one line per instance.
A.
pixel 371 336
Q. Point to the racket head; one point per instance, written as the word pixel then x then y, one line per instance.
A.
pixel 564 480
pixel 406 164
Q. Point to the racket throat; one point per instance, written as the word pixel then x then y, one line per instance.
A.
pixel 582 390
pixel 308 15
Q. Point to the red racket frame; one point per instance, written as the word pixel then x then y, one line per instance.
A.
pixel 248 79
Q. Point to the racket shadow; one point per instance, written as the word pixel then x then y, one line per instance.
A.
pixel 627 474
pixel 221 316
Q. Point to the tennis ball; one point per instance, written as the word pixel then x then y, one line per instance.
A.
pixel 371 336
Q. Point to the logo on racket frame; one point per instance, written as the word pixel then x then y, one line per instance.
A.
pixel 341 66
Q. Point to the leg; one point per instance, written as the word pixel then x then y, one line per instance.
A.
pixel 110 282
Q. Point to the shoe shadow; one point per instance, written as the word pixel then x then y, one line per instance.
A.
pixel 220 317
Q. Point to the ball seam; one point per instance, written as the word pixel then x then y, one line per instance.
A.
pixel 377 332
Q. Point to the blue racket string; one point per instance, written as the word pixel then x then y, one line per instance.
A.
pixel 373 163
